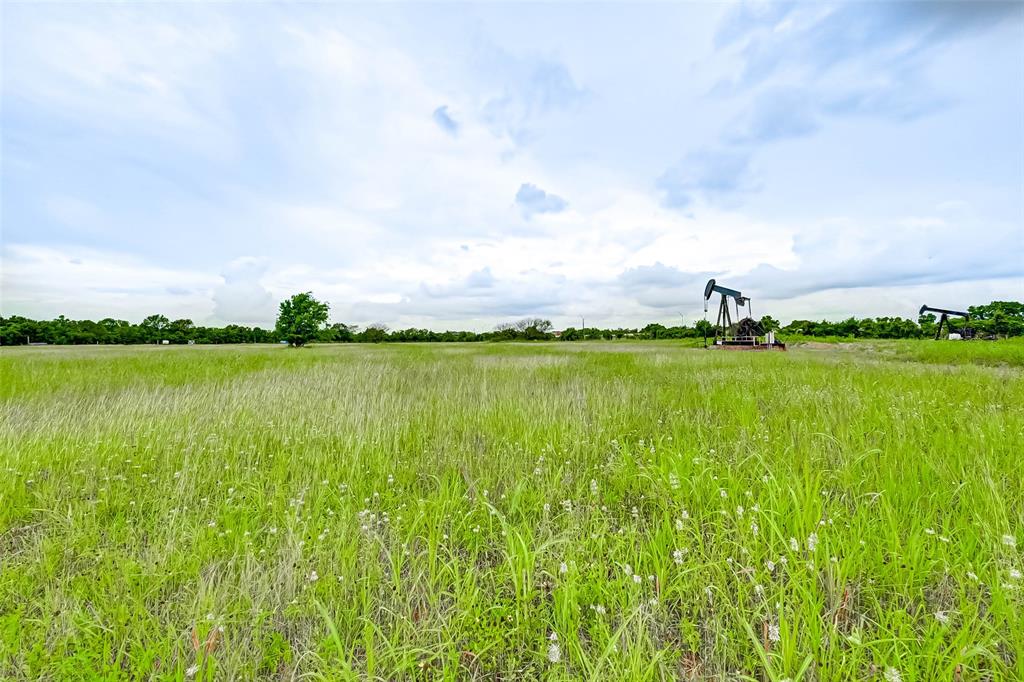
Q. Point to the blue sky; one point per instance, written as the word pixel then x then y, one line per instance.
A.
pixel 462 165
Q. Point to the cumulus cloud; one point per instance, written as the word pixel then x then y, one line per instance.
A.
pixel 532 199
pixel 815 39
pixel 533 88
pixel 479 300
pixel 47 281
pixel 660 286
pixel 851 59
pixel 941 249
pixel 776 114
pixel 352 183
pixel 803 64
pixel 242 298
pixel 445 121
pixel 475 284
pixel 717 175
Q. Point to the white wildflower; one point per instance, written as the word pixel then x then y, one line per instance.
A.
pixel 929 531
pixel 554 652
pixel 794 545
pixel 739 511
pixel 770 565
pixel 192 670
pixel 563 568
pixel 773 633
pixel 1015 574
pixel 313 577
pixel 637 579
pixel 972 575
pixel 679 524
pixel 593 487
pixel 942 617
pixel 893 675
pixel 721 491
pixel 1009 541
pixel 677 556
pixel 812 542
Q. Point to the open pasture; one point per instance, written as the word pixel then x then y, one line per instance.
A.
pixel 601 511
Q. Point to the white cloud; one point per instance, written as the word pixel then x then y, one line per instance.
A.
pixel 148 73
pixel 368 167
pixel 242 299
pixel 78 282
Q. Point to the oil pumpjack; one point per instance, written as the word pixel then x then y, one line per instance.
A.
pixel 964 333
pixel 746 333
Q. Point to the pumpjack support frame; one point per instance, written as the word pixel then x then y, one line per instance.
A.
pixel 944 321
pixel 749 335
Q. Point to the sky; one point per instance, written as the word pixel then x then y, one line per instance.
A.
pixel 457 166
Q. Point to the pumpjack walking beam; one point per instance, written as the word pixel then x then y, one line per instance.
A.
pixel 724 320
pixel 944 319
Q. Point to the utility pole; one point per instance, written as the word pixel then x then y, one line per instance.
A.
pixel 583 331
pixel 681 322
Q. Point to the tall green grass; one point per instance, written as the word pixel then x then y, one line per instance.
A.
pixel 559 511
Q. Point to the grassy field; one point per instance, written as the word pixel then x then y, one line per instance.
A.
pixel 613 511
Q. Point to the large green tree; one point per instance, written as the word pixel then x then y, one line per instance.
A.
pixel 301 318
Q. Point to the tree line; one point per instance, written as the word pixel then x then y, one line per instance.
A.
pixel 304 320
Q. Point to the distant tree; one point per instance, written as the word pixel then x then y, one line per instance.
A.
pixel 153 326
pixel 704 328
pixel 1000 318
pixel 338 333
pixel 533 323
pixel 300 319
pixel 180 331
pixel 374 333
pixel 927 324
pixel 533 328
pixel 654 331
pixel 770 324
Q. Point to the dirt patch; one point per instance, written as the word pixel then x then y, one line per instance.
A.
pixel 815 345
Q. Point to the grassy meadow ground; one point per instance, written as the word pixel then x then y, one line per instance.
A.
pixel 611 511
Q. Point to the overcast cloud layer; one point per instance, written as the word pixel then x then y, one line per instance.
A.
pixel 457 166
